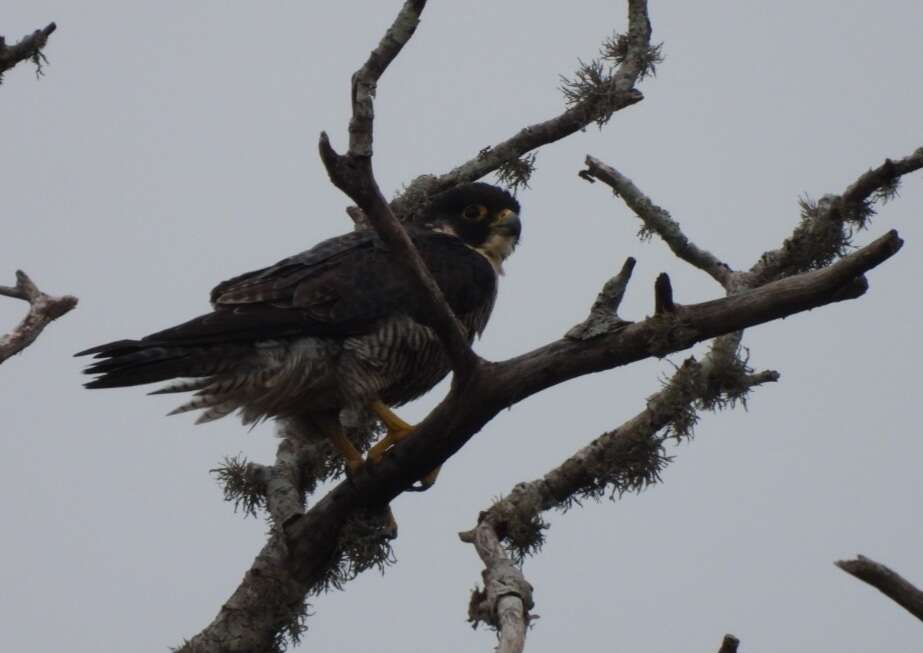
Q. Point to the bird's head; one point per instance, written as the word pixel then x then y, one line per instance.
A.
pixel 485 217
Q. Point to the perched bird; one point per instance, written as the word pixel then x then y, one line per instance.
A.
pixel 337 327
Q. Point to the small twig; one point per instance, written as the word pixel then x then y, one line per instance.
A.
pixel 43 309
pixel 604 315
pixel 29 47
pixel 657 220
pixel 365 80
pixel 663 295
pixel 883 176
pixel 888 582
pixel 506 599
pixel 820 236
pixel 729 644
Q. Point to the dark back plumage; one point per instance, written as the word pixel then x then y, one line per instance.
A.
pixel 341 299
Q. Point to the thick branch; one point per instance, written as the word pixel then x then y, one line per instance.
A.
pixel 268 605
pixel 43 309
pixel 887 582
pixel 507 596
pixel 29 47
pixel 619 94
pixel 494 387
pixel 657 220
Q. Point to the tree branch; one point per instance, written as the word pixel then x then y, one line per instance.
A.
pixel 468 407
pixel 657 220
pixel 365 80
pixel 506 599
pixel 729 644
pixel 352 173
pixel 885 581
pixel 826 227
pixel 43 309
pixel 613 94
pixel 630 457
pixel 268 605
pixel 29 47
pixel 604 315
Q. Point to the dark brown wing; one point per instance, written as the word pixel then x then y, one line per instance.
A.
pixel 345 286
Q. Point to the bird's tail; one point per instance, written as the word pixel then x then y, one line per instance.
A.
pixel 136 362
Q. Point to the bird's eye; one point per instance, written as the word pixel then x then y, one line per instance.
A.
pixel 474 212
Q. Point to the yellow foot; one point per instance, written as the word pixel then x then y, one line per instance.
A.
pixel 398 430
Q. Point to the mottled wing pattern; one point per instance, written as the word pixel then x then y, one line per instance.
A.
pixel 273 283
pixel 343 287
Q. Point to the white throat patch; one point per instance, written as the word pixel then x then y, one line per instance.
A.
pixel 495 250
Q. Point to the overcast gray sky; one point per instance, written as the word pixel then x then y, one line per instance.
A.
pixel 172 145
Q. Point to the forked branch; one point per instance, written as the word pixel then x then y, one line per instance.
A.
pixel 352 173
pixel 506 599
pixel 312 538
pixel 614 93
pixel 43 309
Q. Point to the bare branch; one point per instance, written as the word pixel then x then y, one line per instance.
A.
pixel 619 94
pixel 43 309
pixel 663 295
pixel 29 47
pixel 657 220
pixel 352 173
pixel 887 582
pixel 365 80
pixel 266 608
pixel 729 644
pixel 506 599
pixel 604 316
pixel 284 488
pixel 268 605
pixel 493 387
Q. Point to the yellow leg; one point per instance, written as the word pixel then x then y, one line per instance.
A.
pixel 398 430
pixel 351 456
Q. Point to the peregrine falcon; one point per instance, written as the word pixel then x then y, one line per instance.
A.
pixel 336 327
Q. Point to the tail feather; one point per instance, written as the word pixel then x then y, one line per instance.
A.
pixel 185 385
pixel 133 362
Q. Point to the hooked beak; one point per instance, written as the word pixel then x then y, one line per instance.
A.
pixel 508 224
